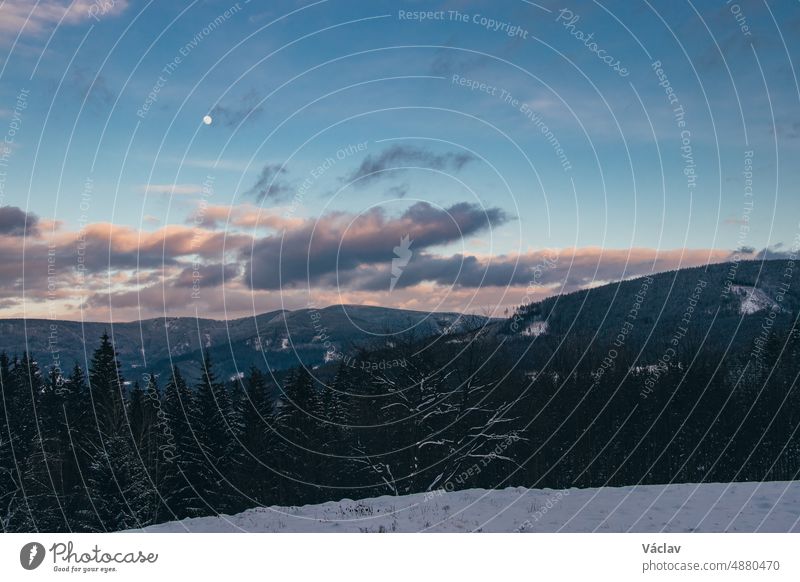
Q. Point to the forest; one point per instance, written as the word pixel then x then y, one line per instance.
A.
pixel 87 451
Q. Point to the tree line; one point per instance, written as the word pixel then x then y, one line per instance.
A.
pixel 86 451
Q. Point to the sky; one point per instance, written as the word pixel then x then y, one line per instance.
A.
pixel 221 158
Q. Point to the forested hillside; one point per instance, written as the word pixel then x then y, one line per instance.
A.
pixel 630 383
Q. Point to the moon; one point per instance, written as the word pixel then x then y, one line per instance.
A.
pixel 207 120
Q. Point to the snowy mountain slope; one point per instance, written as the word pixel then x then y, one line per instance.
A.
pixel 752 299
pixel 713 507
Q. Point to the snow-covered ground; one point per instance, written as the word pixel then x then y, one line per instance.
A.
pixel 752 300
pixel 734 507
pixel 535 329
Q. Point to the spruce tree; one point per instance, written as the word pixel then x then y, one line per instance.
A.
pixel 212 427
pixel 78 426
pixel 184 463
pixel 106 390
pixel 146 430
pixel 258 478
pixel 115 477
pixel 334 432
pixel 15 445
pixel 298 448
pixel 44 471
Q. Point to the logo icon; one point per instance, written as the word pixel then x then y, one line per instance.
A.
pixel 31 555
pixel 402 256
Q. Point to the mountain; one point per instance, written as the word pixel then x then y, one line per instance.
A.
pixel 278 339
pixel 658 321
pixel 665 318
pixel 727 302
pixel 684 376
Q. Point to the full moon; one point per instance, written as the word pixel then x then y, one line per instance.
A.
pixel 207 120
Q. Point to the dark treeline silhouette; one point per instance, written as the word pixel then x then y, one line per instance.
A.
pixel 87 452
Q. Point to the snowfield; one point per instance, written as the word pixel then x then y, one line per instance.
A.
pixel 752 300
pixel 714 507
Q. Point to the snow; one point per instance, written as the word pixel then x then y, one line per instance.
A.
pixel 710 507
pixel 255 343
pixel 653 368
pixel 753 300
pixel 535 329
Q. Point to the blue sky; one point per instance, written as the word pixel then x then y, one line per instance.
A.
pixel 461 110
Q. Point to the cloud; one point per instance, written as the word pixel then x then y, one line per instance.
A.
pixel 211 275
pixel 776 251
pixel 735 221
pixel 171 189
pixel 786 128
pixel 109 247
pixel 91 87
pixel 338 243
pixel 354 254
pixel 241 216
pixel 455 57
pixel 270 183
pixel 727 43
pixel 109 270
pixel 575 268
pixel 236 166
pixel 398 191
pixel 103 248
pixel 16 222
pixel 39 18
pixel 374 167
pixel 156 300
pixel 233 115
pixel 62 270
pixel 449 59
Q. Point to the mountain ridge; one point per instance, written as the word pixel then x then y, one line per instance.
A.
pixel 732 294
pixel 153 345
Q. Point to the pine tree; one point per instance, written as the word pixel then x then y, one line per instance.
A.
pixel 147 434
pixel 15 444
pixel 116 478
pixel 238 461
pixel 24 428
pixel 106 390
pixel 369 471
pixel 258 478
pixel 298 432
pixel 184 461
pixel 333 430
pixel 212 409
pixel 44 465
pixel 78 427
pixel 117 482
pixel 9 482
pixel 136 413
